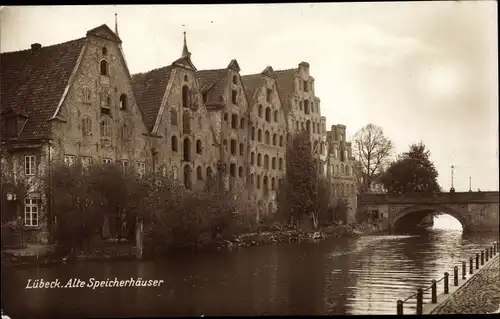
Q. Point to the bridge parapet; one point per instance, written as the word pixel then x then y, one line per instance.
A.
pixel 435 198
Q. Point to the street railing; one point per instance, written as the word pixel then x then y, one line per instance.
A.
pixel 480 258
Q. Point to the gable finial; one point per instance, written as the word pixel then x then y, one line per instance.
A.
pixel 185 51
pixel 116 23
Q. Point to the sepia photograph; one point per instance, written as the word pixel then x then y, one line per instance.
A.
pixel 249 159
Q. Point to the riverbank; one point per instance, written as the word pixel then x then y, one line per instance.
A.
pixel 481 295
pixel 110 250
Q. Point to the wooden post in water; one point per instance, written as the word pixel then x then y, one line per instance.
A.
pixel 471 266
pixel 399 307
pixel 434 291
pixel 477 261
pixel 464 269
pixel 446 283
pixel 487 253
pixel 420 301
pixel 482 257
pixel 138 239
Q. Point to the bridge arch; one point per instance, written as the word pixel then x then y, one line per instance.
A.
pixel 431 207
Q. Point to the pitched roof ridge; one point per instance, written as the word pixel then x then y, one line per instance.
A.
pixel 45 47
pixel 207 70
pixel 286 70
pixel 147 72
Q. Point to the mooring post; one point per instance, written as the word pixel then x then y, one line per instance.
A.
pixel 420 300
pixel 482 257
pixel 486 253
pixel 477 261
pixel 455 276
pixel 400 307
pixel 434 291
pixel 446 283
pixel 471 266
pixel 464 269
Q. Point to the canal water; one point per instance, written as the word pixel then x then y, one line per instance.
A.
pixel 365 275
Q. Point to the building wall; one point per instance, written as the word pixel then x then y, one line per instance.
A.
pixel 93 100
pixel 268 137
pixel 193 157
pixel 234 132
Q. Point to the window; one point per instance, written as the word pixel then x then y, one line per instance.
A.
pixel 186 78
pixel 199 174
pixel 86 126
pixel 186 123
pixel 225 117
pixel 252 158
pixel 104 51
pixel 125 132
pixel 104 67
pixel 173 117
pixel 124 165
pixel 235 79
pixel 141 168
pixel 233 147
pixel 187 177
pixel 187 149
pixel 106 128
pixel 205 97
pixel 259 159
pixel 240 171
pixel 273 163
pixel 234 97
pixel 347 171
pixel 232 170
pixel 242 149
pixel 275 139
pixel 258 181
pixel 105 100
pixel 266 161
pixel 11 126
pixel 268 95
pixel 29 165
pixel 306 107
pixel 86 161
pixel 267 137
pixel 276 116
pixel 234 121
pixel 280 164
pixel 174 144
pixel 87 95
pixel 281 140
pixel 268 114
pixel 69 160
pixel 106 160
pixel 123 102
pixel 31 212
pixel 185 96
pixel 259 135
pixel 300 105
pixel 252 179
pixel 306 88
pixel 273 184
pixel 198 147
pixel 242 123
pixel 253 133
pixel 175 172
pixel 209 173
pixel 261 110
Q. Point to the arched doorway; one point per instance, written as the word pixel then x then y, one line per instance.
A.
pixel 187 177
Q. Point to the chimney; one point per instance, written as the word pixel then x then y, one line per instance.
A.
pixel 35 47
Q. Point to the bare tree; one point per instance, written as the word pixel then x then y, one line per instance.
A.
pixel 373 151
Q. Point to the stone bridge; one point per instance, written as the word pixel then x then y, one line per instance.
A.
pixel 476 211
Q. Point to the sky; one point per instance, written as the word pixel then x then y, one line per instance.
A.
pixel 423 71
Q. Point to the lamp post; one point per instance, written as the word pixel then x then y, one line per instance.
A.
pixel 470 184
pixel 452 189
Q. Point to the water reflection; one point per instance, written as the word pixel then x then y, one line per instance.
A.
pixel 338 276
pixel 445 221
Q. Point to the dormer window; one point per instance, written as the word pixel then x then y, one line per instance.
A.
pixel 104 68
pixel 11 128
pixel 204 95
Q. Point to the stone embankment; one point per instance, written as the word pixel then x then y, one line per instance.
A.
pixel 480 295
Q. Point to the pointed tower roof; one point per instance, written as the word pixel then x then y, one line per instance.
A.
pixel 185 51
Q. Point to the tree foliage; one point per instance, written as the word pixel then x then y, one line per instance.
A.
pixel 372 150
pixel 412 172
pixel 304 193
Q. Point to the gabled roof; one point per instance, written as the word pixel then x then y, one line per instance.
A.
pixel 149 89
pixel 252 83
pixel 105 32
pixel 286 85
pixel 33 83
pixel 212 84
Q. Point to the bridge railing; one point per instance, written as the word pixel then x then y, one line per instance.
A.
pixel 474 263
